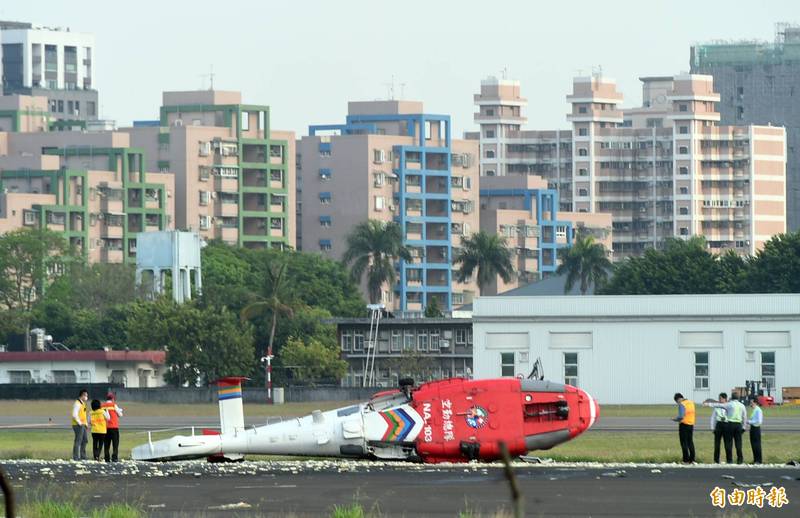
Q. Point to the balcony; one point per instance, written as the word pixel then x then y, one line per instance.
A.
pixel 436 278
pixel 276 179
pixel 255 202
pixel 436 208
pixel 436 254
pixel 151 199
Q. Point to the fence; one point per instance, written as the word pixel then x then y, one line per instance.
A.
pixel 294 394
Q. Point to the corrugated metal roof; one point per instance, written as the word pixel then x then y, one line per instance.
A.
pixel 157 357
pixel 642 306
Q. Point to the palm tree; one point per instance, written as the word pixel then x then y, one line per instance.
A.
pixel 373 246
pixel 585 260
pixel 272 304
pixel 486 253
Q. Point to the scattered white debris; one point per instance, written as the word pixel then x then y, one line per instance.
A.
pixel 729 477
pixel 231 507
pixel 655 471
pixel 157 506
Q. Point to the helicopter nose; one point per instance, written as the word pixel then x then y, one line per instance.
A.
pixel 589 410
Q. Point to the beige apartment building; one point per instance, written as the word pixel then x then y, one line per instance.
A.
pixel 391 161
pixel 665 169
pixel 234 175
pixel 90 187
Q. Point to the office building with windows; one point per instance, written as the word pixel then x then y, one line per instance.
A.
pixel 55 63
pixel 391 161
pixel 234 175
pixel 759 83
pixel 92 188
pixel 641 349
pixel 424 349
pixel 665 169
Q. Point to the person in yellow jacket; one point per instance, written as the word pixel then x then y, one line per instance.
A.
pixel 685 419
pixel 80 425
pixel 98 420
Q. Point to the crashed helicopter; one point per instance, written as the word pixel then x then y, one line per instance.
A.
pixel 452 420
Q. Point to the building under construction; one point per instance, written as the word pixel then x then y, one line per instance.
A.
pixel 759 83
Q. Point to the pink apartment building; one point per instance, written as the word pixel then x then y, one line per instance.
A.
pixel 665 169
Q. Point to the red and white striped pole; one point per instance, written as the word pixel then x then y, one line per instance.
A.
pixel 269 376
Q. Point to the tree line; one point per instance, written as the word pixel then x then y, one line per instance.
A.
pixel 224 330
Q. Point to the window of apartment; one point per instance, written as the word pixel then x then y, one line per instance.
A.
pixel 507 364
pixel 427 130
pixel 683 130
pixel 739 112
pixel 683 211
pixel 378 156
pixel 358 341
pixel 583 192
pixel 60 106
pixel 325 198
pixel 325 245
pixel 571 369
pixel 684 231
pixel 64 377
pixel 245 121
pixel 683 170
pixel 489 133
pixel 434 342
pixel 205 222
pixel 701 371
pixel 582 172
pixel 489 112
pixel 458 299
pixel 461 336
pixel 684 190
pixel 768 369
pixel 683 150
pixel 683 107
pixel 204 197
pixel 396 340
pixel 408 340
pixel 583 152
pixel 490 172
pixel 581 109
pixel 325 221
pixel 422 341
pixel 582 132
pixel 380 202
pixel 489 153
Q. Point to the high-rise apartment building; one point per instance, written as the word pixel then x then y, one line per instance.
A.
pixel 391 161
pixel 54 63
pixel 90 187
pixel 665 169
pixel 759 83
pixel 234 175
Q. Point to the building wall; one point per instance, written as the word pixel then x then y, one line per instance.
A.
pixel 642 349
pixel 407 343
pixel 134 374
pixel 758 84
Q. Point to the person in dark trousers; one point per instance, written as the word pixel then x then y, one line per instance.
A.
pixel 719 423
pixel 736 415
pixel 112 428
pixel 755 422
pixel 80 425
pixel 686 420
pixel 98 420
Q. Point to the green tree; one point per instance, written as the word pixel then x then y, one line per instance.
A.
pixel 776 267
pixel 273 303
pixel 412 364
pixel 202 344
pixel 373 247
pixel 585 261
pixel 30 259
pixel 488 254
pixel 681 267
pixel 312 361
pixel 733 272
pixel 432 310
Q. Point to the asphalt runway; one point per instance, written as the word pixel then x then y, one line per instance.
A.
pixel 313 488
pixel 612 424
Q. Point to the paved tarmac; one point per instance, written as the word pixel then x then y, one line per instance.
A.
pixel 313 488
pixel 615 424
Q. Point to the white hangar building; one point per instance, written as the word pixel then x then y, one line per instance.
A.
pixel 642 349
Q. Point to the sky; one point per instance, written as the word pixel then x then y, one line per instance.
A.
pixel 306 59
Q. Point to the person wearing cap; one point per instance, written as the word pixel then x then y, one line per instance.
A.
pixel 685 419
pixel 112 427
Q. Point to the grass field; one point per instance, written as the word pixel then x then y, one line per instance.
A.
pixel 38 408
pixel 591 446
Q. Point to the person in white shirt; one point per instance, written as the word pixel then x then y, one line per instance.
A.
pixel 755 422
pixel 719 420
pixel 80 425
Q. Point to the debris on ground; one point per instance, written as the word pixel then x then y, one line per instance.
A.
pixel 530 459
pixel 729 477
pixel 620 473
pixel 655 471
pixel 231 507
